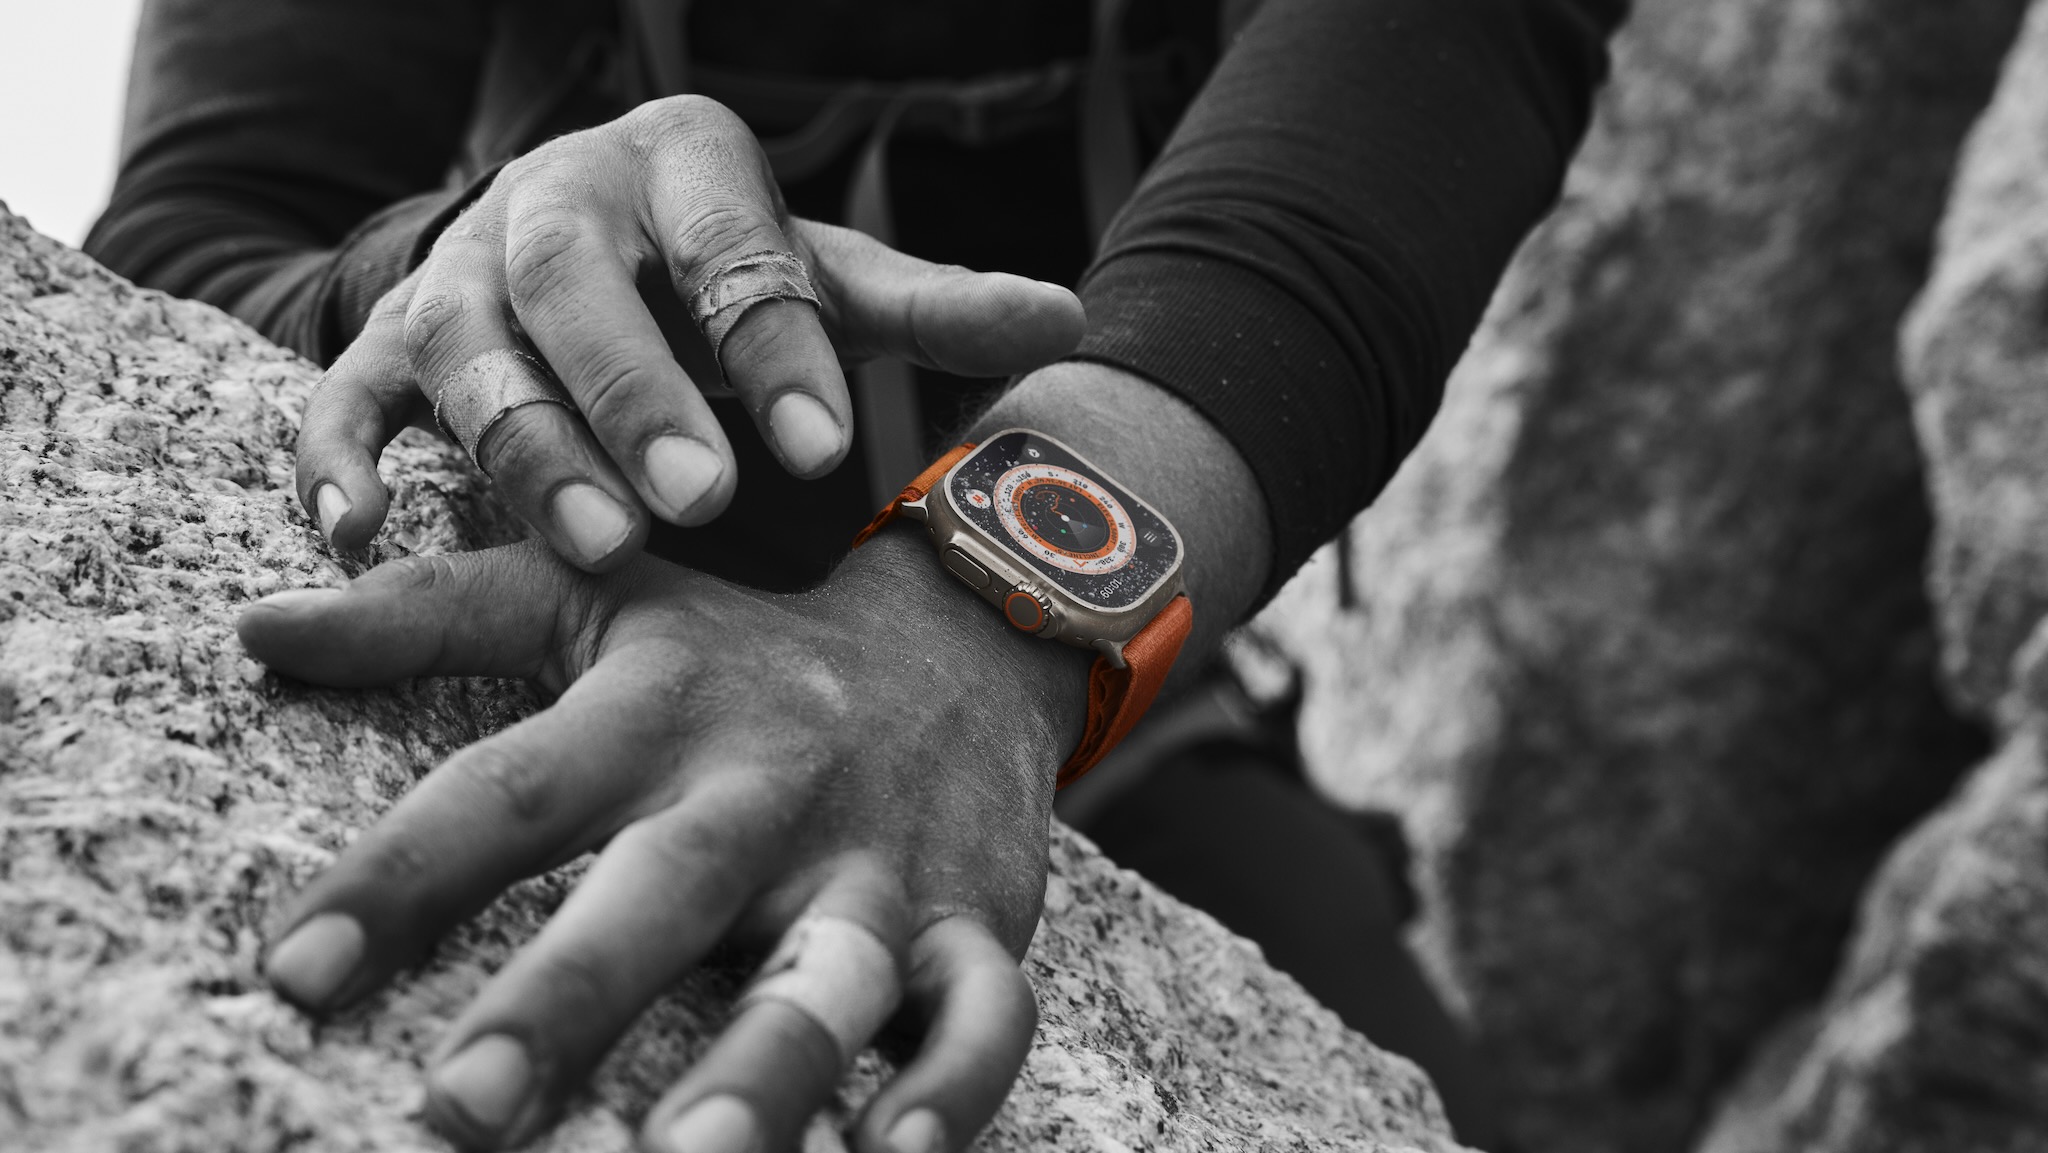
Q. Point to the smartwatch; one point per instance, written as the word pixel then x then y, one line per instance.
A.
pixel 1065 553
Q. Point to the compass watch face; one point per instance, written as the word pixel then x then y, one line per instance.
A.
pixel 1077 529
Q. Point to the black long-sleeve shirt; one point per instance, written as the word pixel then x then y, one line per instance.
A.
pixel 1304 262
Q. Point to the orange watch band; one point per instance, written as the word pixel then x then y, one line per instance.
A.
pixel 1117 697
pixel 915 490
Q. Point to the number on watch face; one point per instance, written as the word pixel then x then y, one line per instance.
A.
pixel 1065 519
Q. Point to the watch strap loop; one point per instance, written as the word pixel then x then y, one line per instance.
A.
pixel 1118 697
pixel 915 490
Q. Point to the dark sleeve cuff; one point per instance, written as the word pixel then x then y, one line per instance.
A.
pixel 1264 370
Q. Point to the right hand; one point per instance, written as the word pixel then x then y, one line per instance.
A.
pixel 581 250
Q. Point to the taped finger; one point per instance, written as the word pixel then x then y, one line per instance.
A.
pixel 838 973
pixel 471 401
pixel 816 1003
pixel 511 414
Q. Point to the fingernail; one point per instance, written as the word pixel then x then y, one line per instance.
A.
pixel 331 506
pixel 805 431
pixel 918 1131
pixel 722 1124
pixel 293 599
pixel 311 963
pixel 488 1080
pixel 593 521
pixel 682 471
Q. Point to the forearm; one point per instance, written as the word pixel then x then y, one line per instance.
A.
pixel 280 158
pixel 1309 256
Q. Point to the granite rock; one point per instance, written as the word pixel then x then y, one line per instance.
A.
pixel 1637 640
pixel 1934 1038
pixel 1976 353
pixel 160 795
pixel 1935 1034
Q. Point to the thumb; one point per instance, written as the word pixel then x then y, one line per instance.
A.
pixel 880 302
pixel 497 613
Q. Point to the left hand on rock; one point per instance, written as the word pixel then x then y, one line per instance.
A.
pixel 746 761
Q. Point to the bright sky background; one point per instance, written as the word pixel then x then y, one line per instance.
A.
pixel 65 68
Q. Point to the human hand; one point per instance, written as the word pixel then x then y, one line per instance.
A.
pixel 584 250
pixel 743 759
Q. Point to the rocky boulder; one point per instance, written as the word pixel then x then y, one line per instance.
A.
pixel 1639 644
pixel 1976 352
pixel 1935 1034
pixel 160 794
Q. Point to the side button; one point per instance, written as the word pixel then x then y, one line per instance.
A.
pixel 961 565
pixel 1026 610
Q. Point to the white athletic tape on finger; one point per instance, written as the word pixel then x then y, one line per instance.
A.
pixel 836 972
pixel 479 394
pixel 731 290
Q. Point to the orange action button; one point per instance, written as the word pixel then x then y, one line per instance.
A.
pixel 1025 611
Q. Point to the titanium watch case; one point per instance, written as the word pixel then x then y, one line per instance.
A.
pixel 998 572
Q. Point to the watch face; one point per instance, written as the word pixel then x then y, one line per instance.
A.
pixel 1041 503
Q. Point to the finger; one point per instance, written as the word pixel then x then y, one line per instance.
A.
pixel 881 302
pixel 501 809
pixel 542 457
pixel 497 613
pixel 709 213
pixel 366 398
pixel 821 997
pixel 980 1016
pixel 663 892
pixel 574 294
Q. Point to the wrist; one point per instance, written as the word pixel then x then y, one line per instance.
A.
pixel 1170 456
pixel 1043 685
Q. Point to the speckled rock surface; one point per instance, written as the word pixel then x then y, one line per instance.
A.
pixel 159 795
pixel 1640 646
pixel 1976 351
pixel 1934 1038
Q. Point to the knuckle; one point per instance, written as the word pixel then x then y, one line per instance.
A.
pixel 724 225
pixel 696 126
pixel 542 254
pixel 400 863
pixel 611 386
pixel 520 441
pixel 802 1039
pixel 415 575
pixel 706 854
pixel 433 315
pixel 688 112
pixel 758 338
pixel 578 983
pixel 515 784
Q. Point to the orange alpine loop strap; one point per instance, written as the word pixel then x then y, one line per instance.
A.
pixel 915 490
pixel 1117 697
